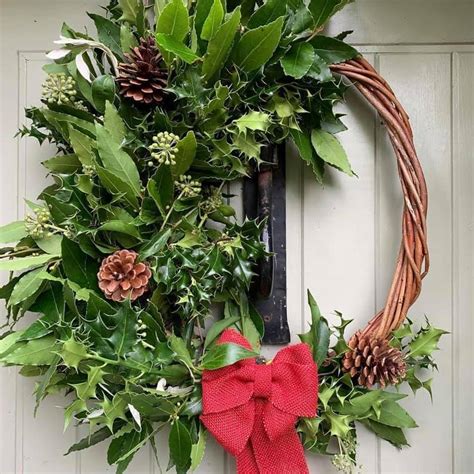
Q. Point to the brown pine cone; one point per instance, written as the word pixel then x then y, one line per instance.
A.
pixel 141 77
pixel 120 277
pixel 373 361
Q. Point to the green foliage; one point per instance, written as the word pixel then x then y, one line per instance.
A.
pixel 242 75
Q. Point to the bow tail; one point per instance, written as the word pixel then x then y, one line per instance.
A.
pixel 284 455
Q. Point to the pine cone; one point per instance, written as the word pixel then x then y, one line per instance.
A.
pixel 120 277
pixel 373 361
pixel 141 78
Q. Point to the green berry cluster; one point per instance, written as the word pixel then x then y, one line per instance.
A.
pixel 213 202
pixel 164 148
pixel 59 89
pixel 188 187
pixel 38 226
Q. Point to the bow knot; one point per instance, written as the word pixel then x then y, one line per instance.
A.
pixel 262 385
pixel 251 408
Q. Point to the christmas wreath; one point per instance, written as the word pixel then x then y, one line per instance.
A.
pixel 126 254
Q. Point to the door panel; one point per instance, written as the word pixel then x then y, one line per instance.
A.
pixel 342 238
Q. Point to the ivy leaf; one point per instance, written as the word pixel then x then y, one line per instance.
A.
pixel 299 59
pixel 303 143
pixel 26 286
pixel 79 267
pixel 117 161
pixel 180 446
pixel 88 389
pixel 426 342
pixel 391 434
pixel 392 414
pixel 73 353
pixel 219 47
pixel 332 50
pixel 213 20
pixel 63 164
pixel 172 45
pixel 185 154
pixel 257 46
pixel 114 123
pixel 268 12
pixel 12 232
pixel 225 354
pixel 330 150
pixel 253 121
pixel 16 264
pixel 35 352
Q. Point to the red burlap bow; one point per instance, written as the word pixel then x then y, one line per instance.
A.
pixel 252 409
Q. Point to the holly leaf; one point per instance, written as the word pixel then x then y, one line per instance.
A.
pixel 426 342
pixel 124 337
pixel 330 150
pixel 73 353
pixel 340 425
pixel 88 389
pixel 178 346
pixel 257 46
pixel 253 121
pixel 225 354
pixel 299 59
pixel 318 336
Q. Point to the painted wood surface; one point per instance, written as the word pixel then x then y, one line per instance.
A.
pixel 342 238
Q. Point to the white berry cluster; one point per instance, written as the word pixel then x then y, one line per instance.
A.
pixel 164 148
pixel 59 89
pixel 38 225
pixel 188 187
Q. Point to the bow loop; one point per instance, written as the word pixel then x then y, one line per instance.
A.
pixel 251 409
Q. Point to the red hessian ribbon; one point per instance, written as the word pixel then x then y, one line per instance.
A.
pixel 251 409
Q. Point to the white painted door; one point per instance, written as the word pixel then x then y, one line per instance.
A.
pixel 342 238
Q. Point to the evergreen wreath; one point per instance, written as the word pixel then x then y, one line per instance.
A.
pixel 125 254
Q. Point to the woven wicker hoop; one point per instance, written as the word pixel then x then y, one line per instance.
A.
pixel 413 259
